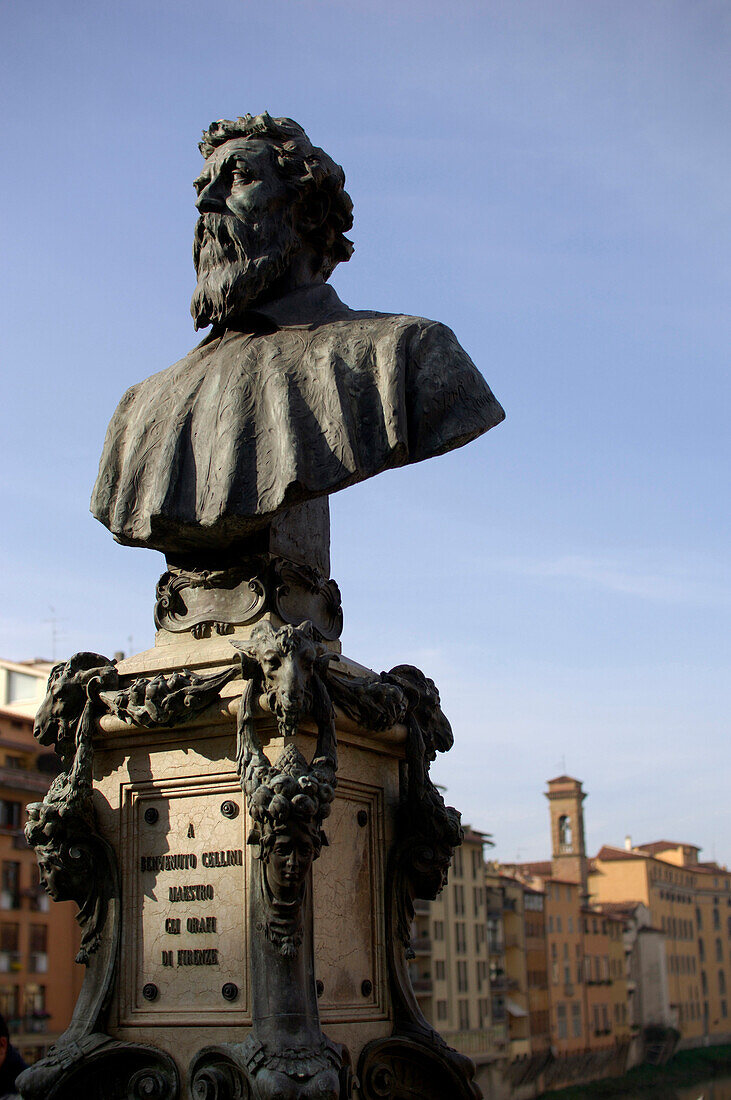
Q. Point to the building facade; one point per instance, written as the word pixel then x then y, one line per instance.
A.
pixel 564 970
pixel 590 1021
pixel 690 902
pixel 39 980
pixel 536 962
pixel 451 969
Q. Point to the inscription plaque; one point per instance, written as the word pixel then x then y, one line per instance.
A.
pixel 185 874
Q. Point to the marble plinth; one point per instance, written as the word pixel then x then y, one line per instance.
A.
pixel 170 803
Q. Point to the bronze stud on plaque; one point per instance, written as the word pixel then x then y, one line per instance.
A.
pixel 362 818
pixel 152 815
pixel 229 809
pixel 320 987
pixel 366 987
pixel 150 991
pixel 230 991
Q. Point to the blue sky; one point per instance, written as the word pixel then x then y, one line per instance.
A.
pixel 549 179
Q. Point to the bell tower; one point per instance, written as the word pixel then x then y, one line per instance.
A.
pixel 568 844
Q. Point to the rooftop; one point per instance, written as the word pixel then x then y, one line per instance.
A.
pixel 541 867
pixel 608 852
pixel 621 909
pixel 666 845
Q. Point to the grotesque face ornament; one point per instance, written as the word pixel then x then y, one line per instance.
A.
pixel 288 803
pixel 290 858
pixel 52 875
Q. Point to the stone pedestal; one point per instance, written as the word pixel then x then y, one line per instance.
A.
pixel 244 823
pixel 170 802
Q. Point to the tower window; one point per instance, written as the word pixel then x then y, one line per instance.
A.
pixel 564 832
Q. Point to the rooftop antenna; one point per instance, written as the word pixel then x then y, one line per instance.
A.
pixel 54 621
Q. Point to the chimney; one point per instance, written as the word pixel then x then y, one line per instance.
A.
pixel 628 842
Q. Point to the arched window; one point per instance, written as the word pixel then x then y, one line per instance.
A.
pixel 564 831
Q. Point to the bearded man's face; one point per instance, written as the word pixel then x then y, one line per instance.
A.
pixel 245 237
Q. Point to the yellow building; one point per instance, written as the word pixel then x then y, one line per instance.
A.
pixel 713 926
pixel 690 902
pixel 605 979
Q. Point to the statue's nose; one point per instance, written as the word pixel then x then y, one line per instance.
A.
pixel 291 695
pixel 212 199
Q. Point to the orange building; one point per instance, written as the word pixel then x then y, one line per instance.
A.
pixel 564 943
pixel 507 959
pixel 605 979
pixel 39 980
pixel 587 983
pixel 536 961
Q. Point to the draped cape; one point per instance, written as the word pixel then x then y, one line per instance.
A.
pixel 316 397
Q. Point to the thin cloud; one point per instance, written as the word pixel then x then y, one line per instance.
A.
pixel 668 584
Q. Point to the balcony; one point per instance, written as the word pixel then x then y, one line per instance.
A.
pixel 475 1041
pixel 421 906
pixel 20 779
pixel 36 1023
pixel 10 961
pixel 513 940
pixel 421 945
pixel 422 986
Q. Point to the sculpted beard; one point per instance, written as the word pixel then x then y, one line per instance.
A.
pixel 236 262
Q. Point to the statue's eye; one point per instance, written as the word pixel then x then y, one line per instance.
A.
pixel 273 663
pixel 242 176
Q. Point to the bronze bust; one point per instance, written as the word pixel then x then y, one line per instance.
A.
pixel 292 395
